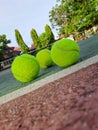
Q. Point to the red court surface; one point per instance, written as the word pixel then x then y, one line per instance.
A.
pixel 69 103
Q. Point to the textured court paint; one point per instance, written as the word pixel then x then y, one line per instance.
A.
pixel 8 84
pixel 48 79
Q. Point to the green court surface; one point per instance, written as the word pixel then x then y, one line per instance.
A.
pixel 8 83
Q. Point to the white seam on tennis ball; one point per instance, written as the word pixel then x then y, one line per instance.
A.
pixel 72 50
pixel 17 93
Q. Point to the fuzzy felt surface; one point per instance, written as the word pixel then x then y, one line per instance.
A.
pixel 65 52
pixel 44 58
pixel 25 68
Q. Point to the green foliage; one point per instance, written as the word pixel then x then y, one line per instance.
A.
pixel 44 39
pixel 49 34
pixel 23 47
pixel 35 39
pixel 3 44
pixel 74 15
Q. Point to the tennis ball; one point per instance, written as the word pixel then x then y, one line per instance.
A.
pixel 65 52
pixel 44 58
pixel 25 67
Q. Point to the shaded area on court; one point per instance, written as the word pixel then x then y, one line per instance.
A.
pixel 8 83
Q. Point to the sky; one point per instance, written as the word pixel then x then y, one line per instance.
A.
pixel 24 15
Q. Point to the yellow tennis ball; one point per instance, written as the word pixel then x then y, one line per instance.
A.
pixel 25 68
pixel 44 58
pixel 65 52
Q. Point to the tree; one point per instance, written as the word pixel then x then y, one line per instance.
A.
pixel 47 37
pixel 23 47
pixel 44 39
pixel 49 34
pixel 35 39
pixel 3 44
pixel 70 16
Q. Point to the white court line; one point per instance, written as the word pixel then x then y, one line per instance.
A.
pixel 48 79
